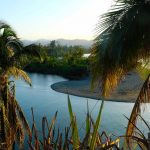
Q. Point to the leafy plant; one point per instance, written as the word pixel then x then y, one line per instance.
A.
pixel 137 139
pixel 116 51
pixel 143 98
pixel 51 140
pixel 12 119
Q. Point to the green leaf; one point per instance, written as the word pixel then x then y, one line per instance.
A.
pixel 75 135
pixel 96 127
pixel 70 109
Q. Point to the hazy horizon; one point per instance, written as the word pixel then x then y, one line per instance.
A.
pixel 59 19
pixel 55 39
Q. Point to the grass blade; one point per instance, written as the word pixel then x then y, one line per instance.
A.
pixel 96 127
pixel 75 135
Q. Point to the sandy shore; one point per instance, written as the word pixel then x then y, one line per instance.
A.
pixel 127 90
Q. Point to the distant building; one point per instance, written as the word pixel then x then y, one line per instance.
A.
pixel 86 55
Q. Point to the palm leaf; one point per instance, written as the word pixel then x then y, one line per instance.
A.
pixel 18 73
pixel 4 126
pixel 20 136
pixel 3 25
pixel 32 51
pixel 15 45
pixel 22 117
pixel 116 51
pixel 144 97
pixel 13 116
pixel 143 71
pixel 7 31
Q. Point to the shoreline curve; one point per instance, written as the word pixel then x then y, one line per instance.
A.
pixel 126 92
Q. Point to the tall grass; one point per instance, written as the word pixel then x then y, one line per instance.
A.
pixel 52 138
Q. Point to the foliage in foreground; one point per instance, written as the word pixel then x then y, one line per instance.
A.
pixel 54 139
pixel 51 138
pixel 117 51
pixel 12 119
pixel 138 139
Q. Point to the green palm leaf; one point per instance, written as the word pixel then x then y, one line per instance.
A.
pixel 11 49
pixel 116 51
pixel 123 41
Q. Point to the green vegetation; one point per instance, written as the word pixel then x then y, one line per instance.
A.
pixel 117 51
pixel 53 140
pixel 60 60
pixel 12 119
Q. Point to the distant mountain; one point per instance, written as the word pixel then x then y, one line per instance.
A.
pixel 84 43
pixel 27 42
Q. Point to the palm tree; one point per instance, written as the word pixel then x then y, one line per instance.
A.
pixel 123 41
pixel 12 119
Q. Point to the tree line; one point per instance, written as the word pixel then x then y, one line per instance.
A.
pixel 67 61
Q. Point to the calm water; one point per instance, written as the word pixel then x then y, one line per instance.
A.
pixel 46 102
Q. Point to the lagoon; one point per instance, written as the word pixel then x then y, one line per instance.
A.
pixel 46 102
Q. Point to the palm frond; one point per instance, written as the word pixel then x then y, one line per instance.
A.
pixel 9 45
pixel 12 119
pixel 19 136
pixel 116 50
pixel 18 73
pixel 22 117
pixel 3 25
pixel 15 44
pixel 9 33
pixel 144 97
pixel 4 126
pixel 143 72
pixel 31 50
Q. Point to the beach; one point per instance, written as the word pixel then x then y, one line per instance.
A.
pixel 127 90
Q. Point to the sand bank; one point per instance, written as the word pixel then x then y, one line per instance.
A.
pixel 127 90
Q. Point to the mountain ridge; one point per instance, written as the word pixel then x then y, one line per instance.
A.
pixel 61 41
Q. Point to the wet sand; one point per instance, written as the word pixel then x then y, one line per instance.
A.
pixel 127 90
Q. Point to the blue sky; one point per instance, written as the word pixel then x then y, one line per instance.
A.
pixel 53 19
